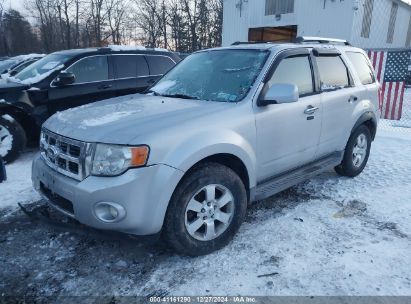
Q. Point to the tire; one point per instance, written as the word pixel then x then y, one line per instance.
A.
pixel 190 192
pixel 12 138
pixel 350 165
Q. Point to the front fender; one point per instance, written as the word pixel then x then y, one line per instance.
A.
pixel 208 143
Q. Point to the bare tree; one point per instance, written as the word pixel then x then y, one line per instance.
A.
pixel 117 18
pixel 147 19
pixel 181 25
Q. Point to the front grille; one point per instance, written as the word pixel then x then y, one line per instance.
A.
pixel 65 155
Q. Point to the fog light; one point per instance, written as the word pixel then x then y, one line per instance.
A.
pixel 109 212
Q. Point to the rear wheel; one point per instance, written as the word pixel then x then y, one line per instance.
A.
pixel 12 138
pixel 356 153
pixel 206 210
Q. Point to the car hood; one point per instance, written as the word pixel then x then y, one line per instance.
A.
pixel 8 87
pixel 120 120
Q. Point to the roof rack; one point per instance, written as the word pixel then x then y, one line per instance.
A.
pixel 306 39
pixel 249 42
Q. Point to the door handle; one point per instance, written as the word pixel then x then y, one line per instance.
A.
pixel 352 99
pixel 104 86
pixel 310 110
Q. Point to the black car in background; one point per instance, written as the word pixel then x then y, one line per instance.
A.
pixel 71 78
pixel 12 63
pixel 14 70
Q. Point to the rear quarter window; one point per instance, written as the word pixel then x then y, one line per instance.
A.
pixel 361 67
pixel 159 65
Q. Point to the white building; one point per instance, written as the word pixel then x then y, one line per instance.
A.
pixel 364 23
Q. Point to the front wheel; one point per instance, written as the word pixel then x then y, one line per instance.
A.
pixel 356 153
pixel 206 210
pixel 12 138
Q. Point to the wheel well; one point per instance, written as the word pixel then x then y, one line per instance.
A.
pixel 371 126
pixel 231 161
pixel 26 121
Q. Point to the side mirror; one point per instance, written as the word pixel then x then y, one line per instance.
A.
pixel 279 93
pixel 65 78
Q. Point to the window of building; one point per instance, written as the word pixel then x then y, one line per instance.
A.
pixel 367 18
pixel 159 65
pixel 295 70
pixel 408 40
pixel 90 69
pixel 277 7
pixel 128 66
pixel 333 72
pixel 362 67
pixel 391 24
pixel 279 33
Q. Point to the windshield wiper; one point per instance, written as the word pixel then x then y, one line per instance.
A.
pixel 183 96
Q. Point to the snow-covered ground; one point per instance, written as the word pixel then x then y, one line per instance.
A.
pixel 18 188
pixel 329 236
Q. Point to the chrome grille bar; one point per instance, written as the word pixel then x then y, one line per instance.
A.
pixel 65 155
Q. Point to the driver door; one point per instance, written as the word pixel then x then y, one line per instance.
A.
pixel 93 82
pixel 287 134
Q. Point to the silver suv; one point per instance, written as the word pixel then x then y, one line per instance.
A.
pixel 225 127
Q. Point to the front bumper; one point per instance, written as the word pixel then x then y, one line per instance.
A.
pixel 144 193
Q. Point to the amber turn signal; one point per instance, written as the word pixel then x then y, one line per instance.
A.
pixel 139 156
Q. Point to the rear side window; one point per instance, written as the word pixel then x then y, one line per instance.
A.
pixel 159 65
pixel 333 72
pixel 90 69
pixel 295 70
pixel 128 66
pixel 362 68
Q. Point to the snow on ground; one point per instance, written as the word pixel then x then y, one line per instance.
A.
pixel 18 187
pixel 329 236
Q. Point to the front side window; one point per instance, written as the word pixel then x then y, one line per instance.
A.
pixel 221 75
pixel 90 69
pixel 295 70
pixel 362 67
pixel 43 67
pixel 333 72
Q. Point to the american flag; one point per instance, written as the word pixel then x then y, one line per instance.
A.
pixel 391 68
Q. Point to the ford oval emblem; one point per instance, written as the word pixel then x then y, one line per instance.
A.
pixel 52 154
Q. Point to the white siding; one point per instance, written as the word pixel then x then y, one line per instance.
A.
pixel 339 19
pixel 379 26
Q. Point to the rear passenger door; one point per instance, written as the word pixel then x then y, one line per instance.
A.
pixel 132 74
pixel 339 97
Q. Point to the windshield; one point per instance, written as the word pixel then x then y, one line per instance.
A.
pixel 43 66
pixel 224 75
pixel 6 64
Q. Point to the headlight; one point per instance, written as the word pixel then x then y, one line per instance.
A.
pixel 112 160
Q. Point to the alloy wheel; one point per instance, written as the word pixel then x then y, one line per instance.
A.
pixel 209 212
